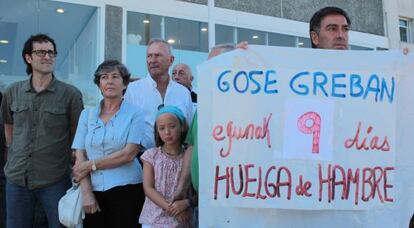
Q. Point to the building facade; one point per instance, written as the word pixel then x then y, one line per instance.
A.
pixel 89 31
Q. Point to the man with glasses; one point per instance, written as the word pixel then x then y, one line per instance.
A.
pixel 40 117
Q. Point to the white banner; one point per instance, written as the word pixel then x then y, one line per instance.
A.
pixel 304 129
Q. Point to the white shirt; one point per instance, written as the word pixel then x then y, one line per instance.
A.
pixel 144 94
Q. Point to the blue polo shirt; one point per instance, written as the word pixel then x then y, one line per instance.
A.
pixel 100 140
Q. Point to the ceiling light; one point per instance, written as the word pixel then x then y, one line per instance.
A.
pixel 255 37
pixel 171 41
pixel 300 43
pixel 3 61
pixel 4 41
pixel 146 21
pixel 204 29
pixel 60 10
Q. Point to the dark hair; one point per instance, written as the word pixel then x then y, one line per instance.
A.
pixel 315 22
pixel 184 130
pixel 109 66
pixel 28 47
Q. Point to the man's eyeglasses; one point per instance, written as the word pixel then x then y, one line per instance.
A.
pixel 42 53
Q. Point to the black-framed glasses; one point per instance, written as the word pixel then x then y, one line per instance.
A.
pixel 42 53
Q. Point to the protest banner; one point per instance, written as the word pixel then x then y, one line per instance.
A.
pixel 326 134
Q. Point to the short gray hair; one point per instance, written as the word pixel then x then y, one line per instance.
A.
pixel 159 40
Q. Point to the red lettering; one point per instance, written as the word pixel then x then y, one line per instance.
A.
pixel 373 142
pixel 354 179
pixel 302 188
pixel 377 180
pixel 275 188
pixel 233 188
pixel 258 194
pixel 250 132
pixel 315 129
pixel 385 146
pixel 246 170
pixel 366 180
pixel 287 183
pixel 386 185
pixel 217 132
pixel 341 182
pixel 219 178
pixel 322 181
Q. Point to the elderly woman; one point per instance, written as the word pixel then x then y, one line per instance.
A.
pixel 107 142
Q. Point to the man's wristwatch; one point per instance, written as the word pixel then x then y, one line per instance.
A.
pixel 93 165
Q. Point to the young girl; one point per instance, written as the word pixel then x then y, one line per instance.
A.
pixel 162 168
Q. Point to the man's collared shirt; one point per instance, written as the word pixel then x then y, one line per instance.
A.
pixel 144 94
pixel 101 140
pixel 40 153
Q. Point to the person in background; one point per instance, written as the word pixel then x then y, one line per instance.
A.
pixel 183 75
pixel 329 28
pixel 107 141
pixel 157 90
pixel 162 168
pixel 40 116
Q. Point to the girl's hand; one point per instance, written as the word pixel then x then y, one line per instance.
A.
pixel 81 169
pixel 177 207
pixel 184 216
pixel 90 205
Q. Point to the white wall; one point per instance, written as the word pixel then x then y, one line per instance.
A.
pixel 198 12
pixel 406 9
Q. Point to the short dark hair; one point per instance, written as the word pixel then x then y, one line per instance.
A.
pixel 109 66
pixel 28 47
pixel 315 22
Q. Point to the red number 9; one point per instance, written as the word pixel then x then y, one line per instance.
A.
pixel 314 129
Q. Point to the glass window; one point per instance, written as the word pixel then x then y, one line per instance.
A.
pixel 405 30
pixel 224 34
pixel 355 47
pixel 276 39
pixel 189 40
pixel 186 34
pixel 251 36
pixel 381 49
pixel 304 42
pixel 142 27
pixel 77 47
